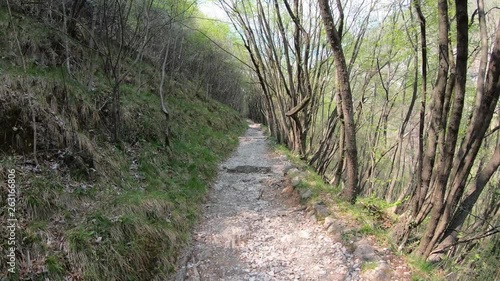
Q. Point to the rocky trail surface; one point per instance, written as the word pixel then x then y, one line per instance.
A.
pixel 250 231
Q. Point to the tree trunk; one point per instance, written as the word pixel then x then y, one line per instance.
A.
pixel 450 236
pixel 439 212
pixel 351 189
pixel 418 195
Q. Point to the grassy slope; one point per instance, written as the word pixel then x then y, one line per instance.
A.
pixel 125 215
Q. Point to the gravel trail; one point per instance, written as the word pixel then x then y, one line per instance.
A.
pixel 249 232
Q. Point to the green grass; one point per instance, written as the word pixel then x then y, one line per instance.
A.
pixel 366 212
pixel 423 270
pixel 368 265
pixel 79 238
pixel 54 265
pixel 310 179
pixel 144 226
pixel 141 224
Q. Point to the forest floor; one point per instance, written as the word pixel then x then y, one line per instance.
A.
pixel 253 228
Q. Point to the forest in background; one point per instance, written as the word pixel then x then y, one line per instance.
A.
pixel 394 100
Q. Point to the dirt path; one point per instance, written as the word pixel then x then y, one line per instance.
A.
pixel 248 233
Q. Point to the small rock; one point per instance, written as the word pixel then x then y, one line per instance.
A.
pixel 306 194
pixel 287 168
pixel 336 237
pixel 304 234
pixel 336 226
pixel 134 166
pixel 321 209
pixel 139 177
pixel 328 221
pixel 365 251
pixel 295 181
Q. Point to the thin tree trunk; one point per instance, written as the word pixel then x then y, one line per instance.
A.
pixel 351 189
pixel 418 193
pixel 164 107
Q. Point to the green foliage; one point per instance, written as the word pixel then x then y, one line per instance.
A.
pixel 176 8
pixel 54 265
pixel 79 238
pixel 150 219
pixel 217 31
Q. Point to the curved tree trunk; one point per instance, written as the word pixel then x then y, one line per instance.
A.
pixel 351 188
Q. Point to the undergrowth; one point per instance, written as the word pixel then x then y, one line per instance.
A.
pixel 93 209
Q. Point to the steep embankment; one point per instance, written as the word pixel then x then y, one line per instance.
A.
pixel 89 208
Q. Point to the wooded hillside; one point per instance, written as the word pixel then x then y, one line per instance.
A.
pixel 392 100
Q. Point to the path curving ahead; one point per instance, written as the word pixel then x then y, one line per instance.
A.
pixel 248 232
